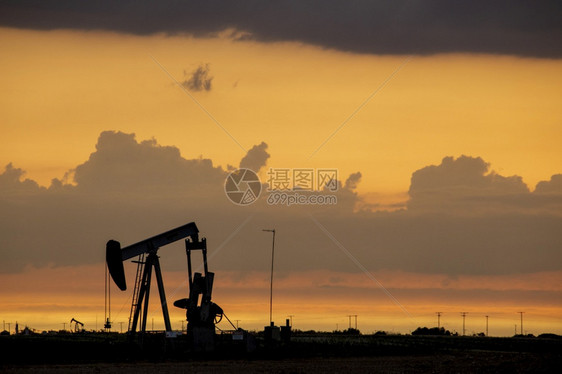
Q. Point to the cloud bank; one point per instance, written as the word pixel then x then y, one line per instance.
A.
pixel 461 217
pixel 519 27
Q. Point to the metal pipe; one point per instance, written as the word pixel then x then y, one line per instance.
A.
pixel 162 293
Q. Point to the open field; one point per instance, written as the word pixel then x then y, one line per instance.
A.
pixel 305 354
pixel 469 362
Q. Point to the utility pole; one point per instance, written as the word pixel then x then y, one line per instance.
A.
pixel 521 322
pixel 271 281
pixel 121 327
pixel 352 315
pixel 486 325
pixel 463 314
pixel 237 320
pixel 438 320
pixel 63 326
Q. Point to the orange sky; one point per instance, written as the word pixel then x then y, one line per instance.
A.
pixel 61 89
pixel 45 298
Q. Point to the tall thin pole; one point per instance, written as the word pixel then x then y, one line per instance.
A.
pixel 486 325
pixel 108 296
pixel 271 280
pixel 438 320
pixel 107 311
pixel 463 314
pixel 521 321
pixel 105 292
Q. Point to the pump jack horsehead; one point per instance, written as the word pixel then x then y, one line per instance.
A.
pixel 202 313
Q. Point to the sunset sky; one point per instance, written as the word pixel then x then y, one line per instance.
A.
pixel 443 121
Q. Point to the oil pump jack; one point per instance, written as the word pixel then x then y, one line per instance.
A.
pixel 78 326
pixel 202 313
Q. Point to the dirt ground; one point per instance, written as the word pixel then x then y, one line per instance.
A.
pixel 469 362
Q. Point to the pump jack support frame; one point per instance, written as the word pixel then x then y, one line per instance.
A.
pixel 144 293
pixel 115 257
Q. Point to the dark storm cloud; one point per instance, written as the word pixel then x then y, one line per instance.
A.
pixel 520 27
